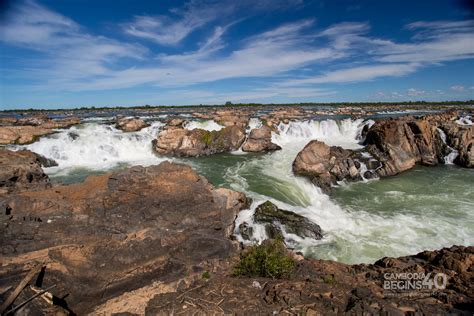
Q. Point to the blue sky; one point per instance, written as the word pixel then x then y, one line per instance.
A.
pixel 72 53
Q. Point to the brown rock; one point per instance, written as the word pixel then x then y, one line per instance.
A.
pixel 325 165
pixel 21 171
pixel 181 142
pixel 118 232
pixel 260 139
pixel 130 124
pixel 21 134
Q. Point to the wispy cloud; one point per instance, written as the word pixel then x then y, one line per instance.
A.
pixel 458 88
pixel 68 51
pixel 71 58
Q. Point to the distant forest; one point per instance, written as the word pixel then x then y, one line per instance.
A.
pixel 230 104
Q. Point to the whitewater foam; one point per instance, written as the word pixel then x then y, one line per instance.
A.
pixel 97 147
pixel 208 125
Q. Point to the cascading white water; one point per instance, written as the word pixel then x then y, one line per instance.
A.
pixel 97 147
pixel 208 125
pixel 350 235
pixel 449 158
pixel 465 120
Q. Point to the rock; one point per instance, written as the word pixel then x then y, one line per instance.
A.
pixel 28 130
pixel 130 124
pixel 460 138
pixel 269 214
pixel 260 139
pixel 230 118
pixel 118 232
pixel 401 143
pixel 246 231
pixel 182 142
pixel 21 171
pixel 322 287
pixel 325 165
pixel 176 122
pixel 21 134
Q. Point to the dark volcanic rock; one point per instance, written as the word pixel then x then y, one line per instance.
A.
pixel 21 171
pixel 118 232
pixel 270 215
pixel 260 139
pixel 182 142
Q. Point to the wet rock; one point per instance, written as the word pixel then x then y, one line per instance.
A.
pixel 325 165
pixel 130 124
pixel 118 232
pixel 182 142
pixel 460 138
pixel 401 143
pixel 269 214
pixel 21 171
pixel 246 231
pixel 260 139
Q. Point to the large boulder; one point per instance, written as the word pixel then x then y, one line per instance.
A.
pixel 130 124
pixel 325 165
pixel 182 142
pixel 260 139
pixel 401 143
pixel 21 171
pixel 272 217
pixel 118 232
pixel 460 138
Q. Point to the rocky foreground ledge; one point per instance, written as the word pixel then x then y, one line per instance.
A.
pixel 157 240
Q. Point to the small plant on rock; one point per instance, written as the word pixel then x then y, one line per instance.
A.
pixel 270 260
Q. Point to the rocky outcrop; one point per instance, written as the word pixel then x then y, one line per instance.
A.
pixel 181 142
pixel 320 287
pixel 272 217
pixel 401 143
pixel 21 171
pixel 325 165
pixel 118 232
pixel 130 124
pixel 21 134
pixel 260 139
pixel 460 138
pixel 28 130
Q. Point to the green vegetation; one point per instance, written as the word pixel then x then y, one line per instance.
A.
pixel 228 104
pixel 270 260
pixel 329 279
pixel 207 137
pixel 206 275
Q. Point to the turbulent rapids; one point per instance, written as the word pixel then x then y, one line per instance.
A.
pixel 362 222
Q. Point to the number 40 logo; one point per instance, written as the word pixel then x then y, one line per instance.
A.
pixel 439 281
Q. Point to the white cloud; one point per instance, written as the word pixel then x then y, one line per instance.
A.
pixel 458 88
pixel 72 59
pixel 355 74
pixel 67 51
pixel 412 92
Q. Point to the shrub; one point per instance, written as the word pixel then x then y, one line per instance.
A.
pixel 269 260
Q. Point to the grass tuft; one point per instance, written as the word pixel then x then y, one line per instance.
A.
pixel 269 260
